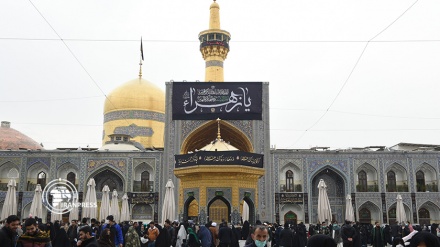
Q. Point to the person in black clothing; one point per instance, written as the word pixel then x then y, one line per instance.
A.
pixel 357 240
pixel 286 237
pixel 321 240
pixel 245 230
pixel 302 234
pixel 259 235
pixel 61 239
pixel 395 231
pixel 8 234
pixel 424 239
pixel 85 235
pixel 72 233
pixel 348 234
pixel 224 235
pixel 163 239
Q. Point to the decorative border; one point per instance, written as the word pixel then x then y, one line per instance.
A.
pixel 134 114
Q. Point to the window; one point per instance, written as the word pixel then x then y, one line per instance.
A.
pixel 391 177
pixel 289 181
pixel 71 177
pixel 41 179
pixel 420 179
pixel 145 180
pixel 362 177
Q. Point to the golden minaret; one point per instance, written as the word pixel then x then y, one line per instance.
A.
pixel 214 46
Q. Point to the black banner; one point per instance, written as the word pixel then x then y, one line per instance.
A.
pixel 211 100
pixel 219 158
pixel 291 198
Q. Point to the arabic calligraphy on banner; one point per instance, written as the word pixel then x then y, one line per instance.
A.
pixel 219 158
pixel 294 198
pixel 207 100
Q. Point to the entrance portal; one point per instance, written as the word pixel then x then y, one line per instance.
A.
pixel 290 217
pixel 219 210
pixel 335 191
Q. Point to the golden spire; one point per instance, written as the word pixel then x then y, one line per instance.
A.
pixel 214 46
pixel 219 137
pixel 140 60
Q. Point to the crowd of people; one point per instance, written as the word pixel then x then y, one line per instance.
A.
pixel 31 232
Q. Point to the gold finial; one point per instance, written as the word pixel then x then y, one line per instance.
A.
pixel 219 137
pixel 140 60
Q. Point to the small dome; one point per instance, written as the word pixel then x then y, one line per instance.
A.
pixel 15 140
pixel 214 5
pixel 219 145
pixel 136 94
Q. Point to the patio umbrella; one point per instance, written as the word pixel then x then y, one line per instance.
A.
pixel 89 211
pixel 324 210
pixel 168 203
pixel 349 212
pixel 57 213
pixel 104 211
pixel 114 207
pixel 73 215
pixel 245 213
pixel 400 210
pixel 10 203
pixel 125 213
pixel 37 203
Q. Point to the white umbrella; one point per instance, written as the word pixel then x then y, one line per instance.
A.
pixel 400 210
pixel 168 203
pixel 349 212
pixel 57 213
pixel 105 203
pixel 114 207
pixel 10 203
pixel 73 215
pixel 37 203
pixel 324 210
pixel 245 213
pixel 90 201
pixel 125 213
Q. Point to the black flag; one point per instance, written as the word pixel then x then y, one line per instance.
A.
pixel 142 51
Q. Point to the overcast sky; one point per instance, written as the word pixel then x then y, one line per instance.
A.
pixel 329 86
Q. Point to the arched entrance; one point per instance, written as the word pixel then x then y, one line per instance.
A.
pixel 110 178
pixel 250 210
pixel 424 216
pixel 369 213
pixel 428 213
pixel 392 213
pixel 219 209
pixel 335 191
pixel 191 209
pixel 290 217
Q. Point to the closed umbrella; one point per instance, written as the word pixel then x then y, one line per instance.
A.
pixel 400 210
pixel 245 213
pixel 114 207
pixel 324 210
pixel 168 203
pixel 125 213
pixel 74 212
pixel 349 212
pixel 37 203
pixel 10 203
pixel 90 201
pixel 57 214
pixel 105 203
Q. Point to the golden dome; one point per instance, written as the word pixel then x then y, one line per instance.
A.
pixel 137 109
pixel 136 94
pixel 214 5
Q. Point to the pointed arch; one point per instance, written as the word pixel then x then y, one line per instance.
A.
pixel 426 178
pixel 369 213
pixel 103 174
pixel 207 132
pixel 219 208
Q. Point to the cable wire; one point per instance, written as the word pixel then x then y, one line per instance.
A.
pixel 350 74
